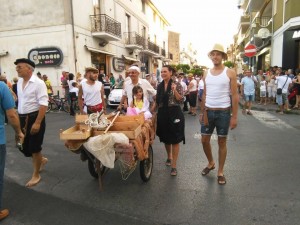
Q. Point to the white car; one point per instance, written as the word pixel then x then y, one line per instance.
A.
pixel 116 94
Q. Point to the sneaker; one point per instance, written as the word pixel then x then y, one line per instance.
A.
pixel 3 214
pixel 168 162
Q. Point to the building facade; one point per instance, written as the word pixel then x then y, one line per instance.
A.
pixel 69 35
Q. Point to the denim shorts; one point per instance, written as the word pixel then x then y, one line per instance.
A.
pixel 263 94
pixel 281 99
pixel 249 98
pixel 219 119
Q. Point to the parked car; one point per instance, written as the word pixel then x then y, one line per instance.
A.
pixel 116 94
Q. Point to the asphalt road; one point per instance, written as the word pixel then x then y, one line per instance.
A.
pixel 262 171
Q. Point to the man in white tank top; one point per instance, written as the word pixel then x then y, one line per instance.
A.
pixel 216 108
pixel 92 92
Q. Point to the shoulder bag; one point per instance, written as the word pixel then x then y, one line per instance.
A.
pixel 279 90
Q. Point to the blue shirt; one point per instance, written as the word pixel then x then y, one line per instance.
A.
pixel 6 102
pixel 249 85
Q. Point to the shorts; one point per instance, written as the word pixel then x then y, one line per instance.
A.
pixel 249 98
pixel 193 98
pixel 32 143
pixel 263 94
pixel 271 92
pixel 219 119
pixel 281 99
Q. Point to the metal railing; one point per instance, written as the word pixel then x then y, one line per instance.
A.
pixel 163 52
pixel 104 23
pixel 153 47
pixel 264 21
pixel 133 38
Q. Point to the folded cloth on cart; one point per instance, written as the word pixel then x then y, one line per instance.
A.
pixel 102 147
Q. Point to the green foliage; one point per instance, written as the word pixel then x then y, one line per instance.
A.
pixel 228 64
pixel 183 67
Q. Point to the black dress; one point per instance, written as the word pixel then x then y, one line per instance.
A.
pixel 170 119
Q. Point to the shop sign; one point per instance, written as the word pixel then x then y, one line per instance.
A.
pixel 47 56
pixel 296 34
pixel 118 64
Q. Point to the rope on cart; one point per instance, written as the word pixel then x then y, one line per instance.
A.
pixel 95 120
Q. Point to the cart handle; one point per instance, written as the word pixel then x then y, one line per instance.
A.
pixel 112 122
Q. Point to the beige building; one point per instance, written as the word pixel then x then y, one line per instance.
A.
pixel 69 35
pixel 174 47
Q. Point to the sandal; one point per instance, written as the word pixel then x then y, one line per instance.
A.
pixel 206 170
pixel 168 162
pixel 173 172
pixel 221 180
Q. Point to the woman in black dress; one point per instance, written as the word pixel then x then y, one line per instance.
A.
pixel 170 119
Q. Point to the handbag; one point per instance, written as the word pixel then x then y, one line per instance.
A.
pixel 279 90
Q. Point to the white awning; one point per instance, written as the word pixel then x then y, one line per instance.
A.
pixel 130 58
pixel 99 51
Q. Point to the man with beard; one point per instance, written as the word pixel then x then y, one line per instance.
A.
pixel 219 98
pixel 92 92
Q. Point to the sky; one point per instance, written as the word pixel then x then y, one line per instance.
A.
pixel 202 22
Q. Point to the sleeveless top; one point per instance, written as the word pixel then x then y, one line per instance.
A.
pixel 217 90
pixel 92 93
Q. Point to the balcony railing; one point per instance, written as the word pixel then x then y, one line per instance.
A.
pixel 133 38
pixel 104 23
pixel 264 21
pixel 163 52
pixel 153 47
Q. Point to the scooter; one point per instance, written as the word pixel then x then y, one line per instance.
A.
pixel 292 96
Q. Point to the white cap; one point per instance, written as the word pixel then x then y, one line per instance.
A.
pixel 135 68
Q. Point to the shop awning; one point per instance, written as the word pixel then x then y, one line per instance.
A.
pixel 99 51
pixel 130 58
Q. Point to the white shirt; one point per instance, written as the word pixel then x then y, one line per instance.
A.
pixel 194 87
pixel 32 96
pixel 92 93
pixel 184 87
pixel 201 85
pixel 148 89
pixel 75 90
pixel 281 81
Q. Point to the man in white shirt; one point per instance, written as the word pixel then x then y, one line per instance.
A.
pixel 148 90
pixel 283 82
pixel 32 107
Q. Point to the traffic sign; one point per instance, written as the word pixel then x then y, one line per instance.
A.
pixel 250 50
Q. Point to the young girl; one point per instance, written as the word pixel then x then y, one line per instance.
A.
pixel 139 103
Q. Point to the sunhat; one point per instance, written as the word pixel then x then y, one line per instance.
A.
pixel 219 48
pixel 91 69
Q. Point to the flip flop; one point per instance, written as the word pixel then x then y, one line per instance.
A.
pixel 206 170
pixel 173 172
pixel 221 180
pixel 168 162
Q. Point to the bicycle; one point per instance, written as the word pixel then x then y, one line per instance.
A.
pixel 55 103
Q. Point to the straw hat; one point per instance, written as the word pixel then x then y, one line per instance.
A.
pixel 219 48
pixel 190 75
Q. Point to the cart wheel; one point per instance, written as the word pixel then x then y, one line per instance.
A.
pixel 146 166
pixel 93 169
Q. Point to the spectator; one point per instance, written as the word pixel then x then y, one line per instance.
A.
pixel 48 85
pixel 248 91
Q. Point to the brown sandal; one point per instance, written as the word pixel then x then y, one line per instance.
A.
pixel 206 170
pixel 221 180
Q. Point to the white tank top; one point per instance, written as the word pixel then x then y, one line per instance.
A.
pixel 92 93
pixel 217 90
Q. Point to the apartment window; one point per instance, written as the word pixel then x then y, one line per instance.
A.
pixel 127 23
pixel 275 7
pixel 144 32
pixel 143 6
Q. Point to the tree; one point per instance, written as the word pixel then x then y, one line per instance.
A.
pixel 228 64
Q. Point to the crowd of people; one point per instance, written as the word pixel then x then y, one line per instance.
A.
pixel 275 86
pixel 216 93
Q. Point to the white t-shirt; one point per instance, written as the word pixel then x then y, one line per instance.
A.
pixel 263 85
pixel 280 83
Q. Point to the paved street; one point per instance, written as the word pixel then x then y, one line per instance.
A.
pixel 261 170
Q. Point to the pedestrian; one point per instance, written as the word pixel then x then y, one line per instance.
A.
pixel 170 118
pixel 32 107
pixel 15 89
pixel 73 97
pixel 219 98
pixel 296 82
pixel 133 80
pixel 192 89
pixel 107 87
pixel 248 91
pixel 112 79
pixel 65 84
pixel 7 106
pixel 92 92
pixel 263 90
pixel 48 85
pixel 283 83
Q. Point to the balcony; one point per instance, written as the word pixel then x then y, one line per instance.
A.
pixel 244 23
pixel 105 27
pixel 151 49
pixel 134 41
pixel 163 52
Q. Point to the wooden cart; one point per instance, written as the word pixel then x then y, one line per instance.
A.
pixel 141 135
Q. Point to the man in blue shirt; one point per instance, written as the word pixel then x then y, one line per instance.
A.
pixel 248 91
pixel 7 105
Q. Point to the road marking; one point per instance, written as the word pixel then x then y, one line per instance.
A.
pixel 270 120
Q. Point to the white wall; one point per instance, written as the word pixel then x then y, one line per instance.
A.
pixel 277 48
